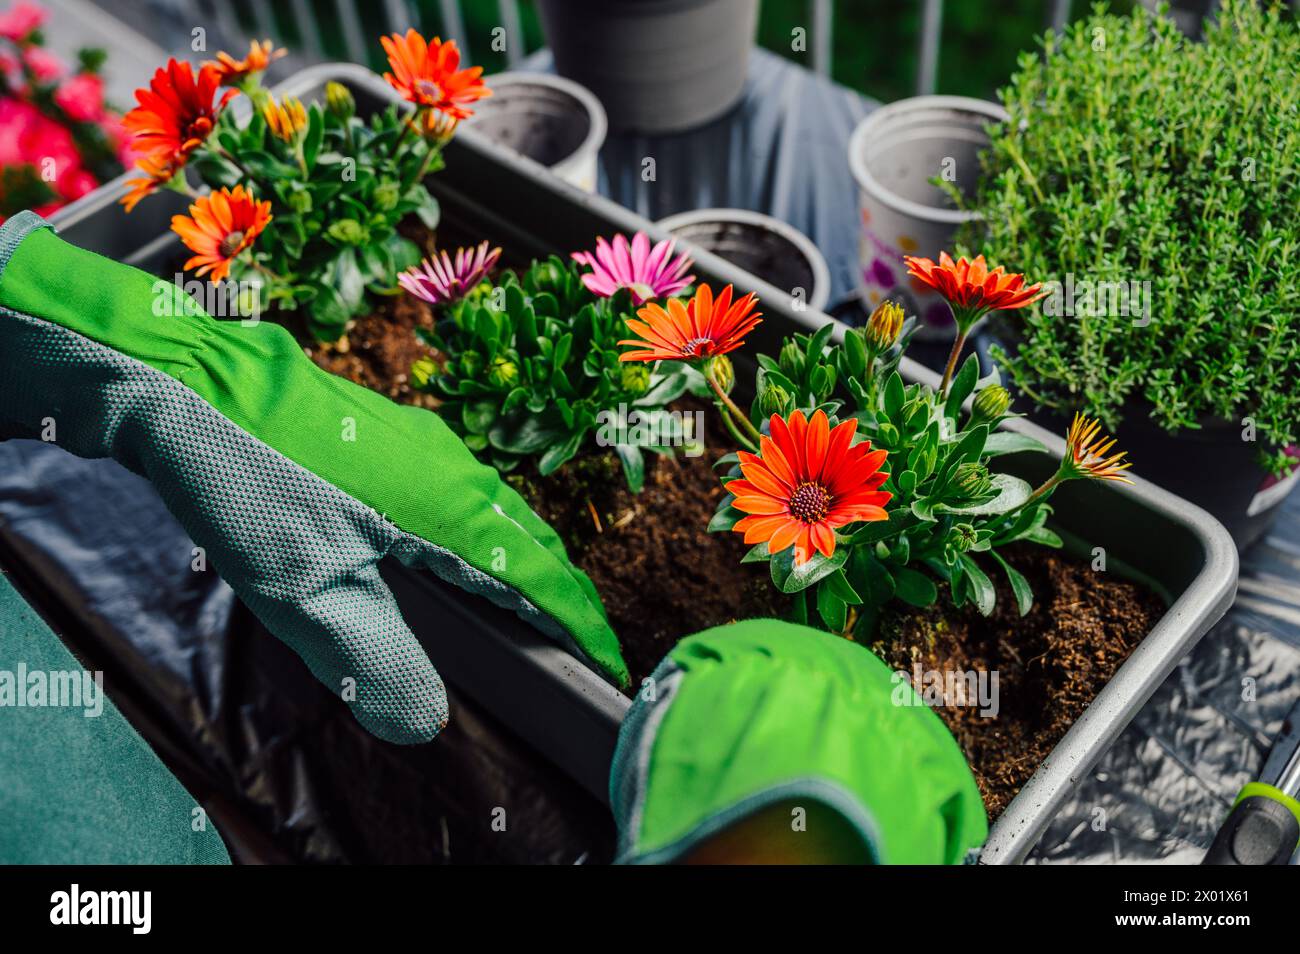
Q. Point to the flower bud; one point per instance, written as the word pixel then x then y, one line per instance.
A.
pixel 972 479
pixel 964 537
pixel 720 369
pixel 387 195
pixel 791 361
pixel 471 364
pixel 339 101
pixel 990 404
pixel 504 373
pixel 300 202
pixel 348 232
pixel 422 371
pixel 635 378
pixel 775 400
pixel 883 327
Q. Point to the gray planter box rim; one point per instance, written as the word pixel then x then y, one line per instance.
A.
pixel 564 709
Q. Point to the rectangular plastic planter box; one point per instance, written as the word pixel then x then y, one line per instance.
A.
pixel 551 699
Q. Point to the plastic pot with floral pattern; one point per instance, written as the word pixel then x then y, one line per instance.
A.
pixel 894 154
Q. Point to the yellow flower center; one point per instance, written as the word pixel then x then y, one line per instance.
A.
pixel 810 502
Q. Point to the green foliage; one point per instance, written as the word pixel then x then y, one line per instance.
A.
pixel 532 368
pixel 338 191
pixel 949 509
pixel 1133 154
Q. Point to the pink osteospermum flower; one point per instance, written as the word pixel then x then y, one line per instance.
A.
pixel 644 271
pixel 440 280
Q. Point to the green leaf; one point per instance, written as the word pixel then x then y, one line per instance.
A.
pixel 724 519
pixel 1019 585
pixel 558 455
pixel 979 586
pixel 327 315
pixel 962 385
pixel 757 554
pixel 1009 442
pixel 791 579
pixel 1044 537
pixel 525 433
pixel 913 587
pixel 870 578
pixel 1009 493
pixel 478 416
pixel 427 209
pixel 839 583
pixel 315 132
pixel 817 344
pixel 633 466
pixel 894 395
pixel 855 354
pixel 831 609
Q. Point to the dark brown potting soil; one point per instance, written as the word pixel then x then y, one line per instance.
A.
pixel 659 574
pixel 1050 663
pixel 380 348
pixel 661 577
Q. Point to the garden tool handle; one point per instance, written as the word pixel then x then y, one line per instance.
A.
pixel 1263 828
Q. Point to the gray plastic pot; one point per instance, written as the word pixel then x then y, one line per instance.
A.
pixel 761 245
pixel 894 153
pixel 553 701
pixel 656 65
pixel 551 120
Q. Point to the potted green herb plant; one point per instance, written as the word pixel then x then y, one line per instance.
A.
pixel 1153 180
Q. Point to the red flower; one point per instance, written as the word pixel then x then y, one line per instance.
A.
pixel 808 481
pixel 971 288
pixel 82 98
pixel 176 114
pixel 21 20
pixel 222 225
pixel 426 73
pixel 157 173
pixel 233 71
pixel 700 329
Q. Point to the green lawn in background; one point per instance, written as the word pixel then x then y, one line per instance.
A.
pixel 874 50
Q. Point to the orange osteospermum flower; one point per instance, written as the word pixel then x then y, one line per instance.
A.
pixel 176 113
pixel 971 288
pixel 699 329
pixel 1087 448
pixel 219 227
pixel 807 481
pixel 157 173
pixel 426 73
pixel 259 58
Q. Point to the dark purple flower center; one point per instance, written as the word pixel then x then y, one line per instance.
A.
pixel 429 90
pixel 697 347
pixel 230 244
pixel 810 502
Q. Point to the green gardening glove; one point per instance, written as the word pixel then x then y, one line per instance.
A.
pixel 765 741
pixel 295 482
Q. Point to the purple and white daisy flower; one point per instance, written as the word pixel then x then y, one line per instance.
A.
pixel 644 271
pixel 440 280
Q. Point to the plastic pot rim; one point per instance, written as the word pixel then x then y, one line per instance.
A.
pixel 871 126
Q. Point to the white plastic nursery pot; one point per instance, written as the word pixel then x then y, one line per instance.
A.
pixel 894 153
pixel 549 119
pixel 658 66
pixel 761 245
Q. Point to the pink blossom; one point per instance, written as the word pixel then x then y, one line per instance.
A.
pixel 439 280
pixel 19 21
pixel 82 98
pixel 46 66
pixel 644 271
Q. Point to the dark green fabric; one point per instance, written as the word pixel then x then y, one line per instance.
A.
pixel 762 711
pixel 402 462
pixel 76 789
